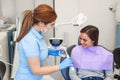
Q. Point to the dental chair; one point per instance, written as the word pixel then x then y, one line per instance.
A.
pixel 65 72
pixel 2 70
pixel 116 53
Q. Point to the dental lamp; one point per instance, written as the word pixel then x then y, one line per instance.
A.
pixel 76 21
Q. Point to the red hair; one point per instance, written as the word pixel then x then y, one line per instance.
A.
pixel 42 13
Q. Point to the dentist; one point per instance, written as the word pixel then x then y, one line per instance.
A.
pixel 32 47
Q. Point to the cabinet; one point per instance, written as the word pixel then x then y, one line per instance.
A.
pixel 4 52
pixel 4 49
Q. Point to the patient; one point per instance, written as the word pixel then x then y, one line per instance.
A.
pixel 91 62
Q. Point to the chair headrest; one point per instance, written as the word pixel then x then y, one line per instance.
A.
pixel 79 40
pixel 116 54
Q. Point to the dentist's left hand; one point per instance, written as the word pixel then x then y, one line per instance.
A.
pixel 66 63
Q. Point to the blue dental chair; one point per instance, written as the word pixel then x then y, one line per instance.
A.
pixel 65 72
pixel 2 70
pixel 116 53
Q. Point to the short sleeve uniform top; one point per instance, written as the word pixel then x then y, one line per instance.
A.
pixel 31 45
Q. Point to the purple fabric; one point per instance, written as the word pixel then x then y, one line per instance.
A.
pixel 93 58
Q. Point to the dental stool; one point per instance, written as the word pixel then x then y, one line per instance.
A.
pixel 2 70
pixel 116 53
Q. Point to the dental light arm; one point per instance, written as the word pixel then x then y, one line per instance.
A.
pixel 76 21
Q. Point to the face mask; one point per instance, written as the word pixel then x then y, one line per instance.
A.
pixel 43 30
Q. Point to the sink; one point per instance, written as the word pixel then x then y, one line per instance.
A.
pixel 5 26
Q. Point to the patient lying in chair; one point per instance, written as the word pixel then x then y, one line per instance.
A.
pixel 91 62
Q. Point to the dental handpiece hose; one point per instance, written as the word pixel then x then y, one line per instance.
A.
pixel 72 68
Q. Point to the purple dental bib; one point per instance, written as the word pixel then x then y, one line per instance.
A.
pixel 92 58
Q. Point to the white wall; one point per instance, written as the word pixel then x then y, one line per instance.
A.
pixel 13 8
pixel 49 2
pixel 0 8
pixel 21 6
pixel 8 9
pixel 66 10
pixel 98 14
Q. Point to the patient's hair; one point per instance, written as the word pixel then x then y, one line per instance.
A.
pixel 92 32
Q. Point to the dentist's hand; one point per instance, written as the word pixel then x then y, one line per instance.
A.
pixel 66 63
pixel 55 52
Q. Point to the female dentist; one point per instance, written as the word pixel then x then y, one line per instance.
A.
pixel 32 47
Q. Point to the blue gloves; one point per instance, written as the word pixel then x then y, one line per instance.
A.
pixel 55 52
pixel 66 63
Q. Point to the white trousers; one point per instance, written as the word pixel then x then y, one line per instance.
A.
pixel 47 77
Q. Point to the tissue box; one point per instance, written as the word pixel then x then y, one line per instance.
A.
pixel 3 20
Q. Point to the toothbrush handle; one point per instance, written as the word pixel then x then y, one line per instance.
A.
pixel 67 54
pixel 72 68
